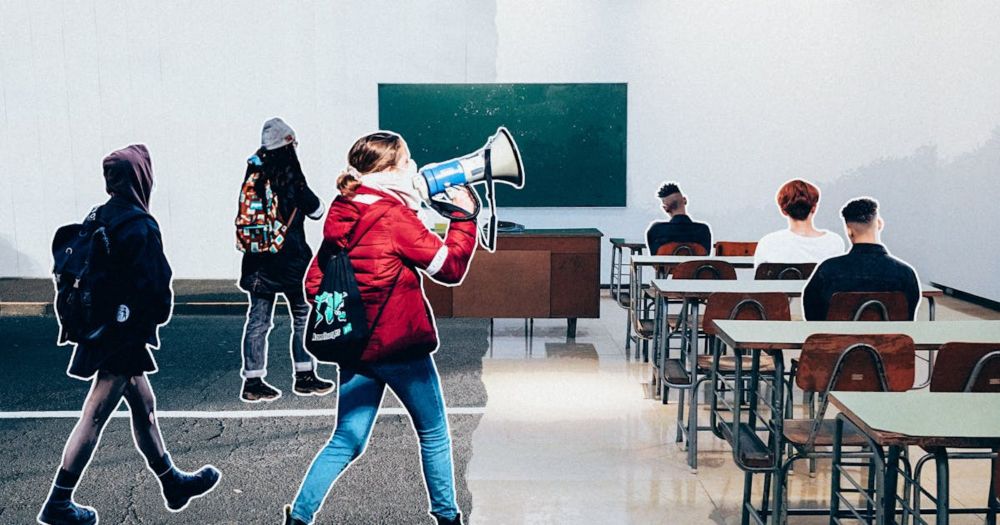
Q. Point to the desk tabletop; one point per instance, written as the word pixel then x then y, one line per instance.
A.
pixel 924 418
pixel 789 335
pixel 702 288
pixel 628 243
pixel 555 232
pixel 651 260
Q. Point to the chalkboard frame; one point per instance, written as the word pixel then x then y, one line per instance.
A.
pixel 560 128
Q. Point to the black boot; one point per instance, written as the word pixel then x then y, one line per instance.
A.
pixel 307 383
pixel 66 513
pixel 289 520
pixel 255 389
pixel 181 487
pixel 457 520
pixel 59 508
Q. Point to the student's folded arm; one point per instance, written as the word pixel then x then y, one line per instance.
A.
pixel 444 261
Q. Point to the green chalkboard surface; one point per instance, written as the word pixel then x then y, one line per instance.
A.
pixel 572 137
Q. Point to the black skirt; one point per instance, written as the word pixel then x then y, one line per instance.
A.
pixel 124 361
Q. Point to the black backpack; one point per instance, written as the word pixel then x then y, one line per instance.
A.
pixel 88 294
pixel 338 327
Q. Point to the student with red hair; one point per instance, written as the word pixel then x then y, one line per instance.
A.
pixel 801 242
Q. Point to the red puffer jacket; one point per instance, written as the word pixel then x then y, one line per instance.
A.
pixel 393 243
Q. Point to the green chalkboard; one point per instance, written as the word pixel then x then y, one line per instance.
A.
pixel 572 137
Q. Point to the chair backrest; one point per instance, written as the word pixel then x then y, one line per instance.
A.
pixel 682 248
pixel 704 269
pixel 735 249
pixel 858 363
pixel 967 367
pixel 868 306
pixel 780 271
pixel 745 307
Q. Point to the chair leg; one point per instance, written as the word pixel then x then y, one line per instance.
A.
pixel 810 401
pixel 693 428
pixel 994 495
pixel 680 415
pixel 747 493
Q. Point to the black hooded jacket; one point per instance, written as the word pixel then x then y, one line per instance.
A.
pixel 269 273
pixel 143 273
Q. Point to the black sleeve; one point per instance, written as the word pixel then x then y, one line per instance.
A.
pixel 150 273
pixel 307 201
pixel 651 241
pixel 913 293
pixel 814 303
pixel 706 238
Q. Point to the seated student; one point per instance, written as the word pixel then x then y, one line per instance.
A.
pixel 680 227
pixel 868 267
pixel 801 242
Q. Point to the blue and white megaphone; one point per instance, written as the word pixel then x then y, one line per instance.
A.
pixel 497 161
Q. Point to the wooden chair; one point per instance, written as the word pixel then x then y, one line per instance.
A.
pixel 704 269
pixel 682 248
pixel 964 367
pixel 642 324
pixel 853 363
pixel 781 271
pixel 868 306
pixel 735 249
pixel 720 305
pixel 855 306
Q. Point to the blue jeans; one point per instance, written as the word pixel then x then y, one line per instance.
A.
pixel 259 325
pixel 417 385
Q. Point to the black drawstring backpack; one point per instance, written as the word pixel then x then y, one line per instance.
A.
pixel 338 328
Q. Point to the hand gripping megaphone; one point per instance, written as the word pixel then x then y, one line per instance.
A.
pixel 497 161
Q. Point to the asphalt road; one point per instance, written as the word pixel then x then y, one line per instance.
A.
pixel 262 459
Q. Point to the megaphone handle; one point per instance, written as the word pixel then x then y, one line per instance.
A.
pixel 491 234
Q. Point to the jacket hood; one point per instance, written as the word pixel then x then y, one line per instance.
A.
pixel 128 174
pixel 349 217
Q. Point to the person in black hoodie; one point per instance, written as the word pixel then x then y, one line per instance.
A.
pixel 264 275
pixel 120 358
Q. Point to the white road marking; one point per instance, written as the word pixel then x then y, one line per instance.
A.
pixel 227 414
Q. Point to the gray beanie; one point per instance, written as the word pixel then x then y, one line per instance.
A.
pixel 276 134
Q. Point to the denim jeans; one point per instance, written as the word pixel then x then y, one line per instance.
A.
pixel 259 325
pixel 417 385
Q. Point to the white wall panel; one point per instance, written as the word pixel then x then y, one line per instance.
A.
pixel 729 98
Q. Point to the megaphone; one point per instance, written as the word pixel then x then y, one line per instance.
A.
pixel 497 161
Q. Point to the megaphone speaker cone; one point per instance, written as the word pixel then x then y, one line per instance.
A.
pixel 505 160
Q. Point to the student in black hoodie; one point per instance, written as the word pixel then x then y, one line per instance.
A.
pixel 120 358
pixel 264 275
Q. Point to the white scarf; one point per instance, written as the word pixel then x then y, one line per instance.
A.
pixel 399 185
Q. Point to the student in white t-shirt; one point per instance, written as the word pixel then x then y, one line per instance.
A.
pixel 801 242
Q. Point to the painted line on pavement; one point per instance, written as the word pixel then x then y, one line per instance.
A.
pixel 227 414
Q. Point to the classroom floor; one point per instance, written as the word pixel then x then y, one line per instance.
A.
pixel 570 436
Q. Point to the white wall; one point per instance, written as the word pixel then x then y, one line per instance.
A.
pixel 894 99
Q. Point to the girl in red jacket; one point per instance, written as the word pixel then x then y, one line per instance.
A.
pixel 379 206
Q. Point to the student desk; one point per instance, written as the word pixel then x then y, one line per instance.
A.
pixel 691 293
pixel 637 286
pixel 695 291
pixel 773 337
pixel 619 292
pixel 894 421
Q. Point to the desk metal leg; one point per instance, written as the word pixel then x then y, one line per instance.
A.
pixel 570 329
pixel 777 423
pixel 838 433
pixel 693 375
pixel 930 308
pixel 941 460
pixel 887 491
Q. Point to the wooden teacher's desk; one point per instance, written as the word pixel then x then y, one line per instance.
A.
pixel 533 274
